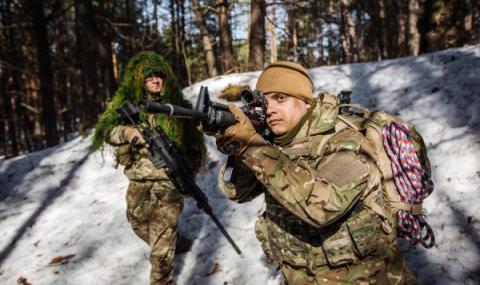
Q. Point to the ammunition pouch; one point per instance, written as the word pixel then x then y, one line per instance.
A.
pixel 286 238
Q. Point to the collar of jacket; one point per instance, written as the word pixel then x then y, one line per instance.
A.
pixel 322 120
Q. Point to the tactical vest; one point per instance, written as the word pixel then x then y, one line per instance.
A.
pixel 287 238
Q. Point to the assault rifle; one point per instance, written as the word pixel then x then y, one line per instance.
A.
pixel 163 153
pixel 214 115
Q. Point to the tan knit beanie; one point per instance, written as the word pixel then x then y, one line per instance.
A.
pixel 287 78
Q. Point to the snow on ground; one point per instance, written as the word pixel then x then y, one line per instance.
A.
pixel 62 209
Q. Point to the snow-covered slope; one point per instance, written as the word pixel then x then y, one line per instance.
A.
pixel 62 209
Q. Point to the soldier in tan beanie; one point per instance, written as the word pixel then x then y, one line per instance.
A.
pixel 288 90
pixel 315 179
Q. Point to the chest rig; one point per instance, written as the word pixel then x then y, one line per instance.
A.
pixel 287 238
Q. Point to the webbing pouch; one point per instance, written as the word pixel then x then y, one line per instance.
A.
pixel 363 230
pixel 339 248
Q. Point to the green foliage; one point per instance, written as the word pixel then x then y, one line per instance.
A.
pixel 182 132
pixel 233 92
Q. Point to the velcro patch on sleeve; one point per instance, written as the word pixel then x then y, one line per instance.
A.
pixel 342 168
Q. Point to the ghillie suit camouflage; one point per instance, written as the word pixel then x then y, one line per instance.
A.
pixel 316 179
pixel 153 203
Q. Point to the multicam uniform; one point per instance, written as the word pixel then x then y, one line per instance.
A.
pixel 317 223
pixel 154 205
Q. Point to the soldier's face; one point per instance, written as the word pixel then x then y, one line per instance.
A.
pixel 154 84
pixel 284 112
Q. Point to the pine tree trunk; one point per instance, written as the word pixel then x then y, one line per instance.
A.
pixel 350 33
pixel 402 30
pixel 360 28
pixel 413 33
pixel 105 51
pixel 346 52
pixel 229 63
pixel 382 32
pixel 329 17
pixel 181 27
pixel 44 62
pixel 475 32
pixel 272 34
pixel 88 51
pixel 256 38
pixel 425 25
pixel 178 57
pixel 317 22
pixel 208 48
pixel 292 30
pixel 32 120
pixel 8 80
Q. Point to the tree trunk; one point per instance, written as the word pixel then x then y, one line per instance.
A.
pixel 360 30
pixel 256 37
pixel 208 49
pixel 292 31
pixel 32 119
pixel 329 17
pixel 413 33
pixel 475 31
pixel 344 37
pixel 104 46
pixel 402 30
pixel 273 35
pixel 382 32
pixel 317 23
pixel 44 62
pixel 9 78
pixel 425 25
pixel 87 45
pixel 350 32
pixel 182 39
pixel 229 63
pixel 177 57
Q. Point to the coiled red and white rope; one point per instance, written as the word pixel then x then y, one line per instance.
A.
pixel 413 183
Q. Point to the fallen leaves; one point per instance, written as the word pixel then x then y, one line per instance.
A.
pixel 61 259
pixel 23 281
pixel 216 268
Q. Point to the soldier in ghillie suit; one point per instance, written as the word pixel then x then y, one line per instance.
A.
pixel 153 203
pixel 316 179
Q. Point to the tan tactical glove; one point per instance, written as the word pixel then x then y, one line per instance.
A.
pixel 236 138
pixel 133 135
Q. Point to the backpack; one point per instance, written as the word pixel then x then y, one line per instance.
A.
pixel 399 152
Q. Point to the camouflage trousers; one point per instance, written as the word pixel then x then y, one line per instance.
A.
pixel 370 270
pixel 153 210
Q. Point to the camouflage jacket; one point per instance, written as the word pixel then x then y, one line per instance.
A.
pixel 312 188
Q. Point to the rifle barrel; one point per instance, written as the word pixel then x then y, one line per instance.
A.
pixel 172 110
pixel 224 231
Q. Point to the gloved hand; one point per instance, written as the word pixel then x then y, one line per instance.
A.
pixel 236 138
pixel 133 136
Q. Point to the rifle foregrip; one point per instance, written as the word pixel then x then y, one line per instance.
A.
pixel 222 119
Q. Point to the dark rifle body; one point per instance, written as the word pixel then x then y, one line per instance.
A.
pixel 213 115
